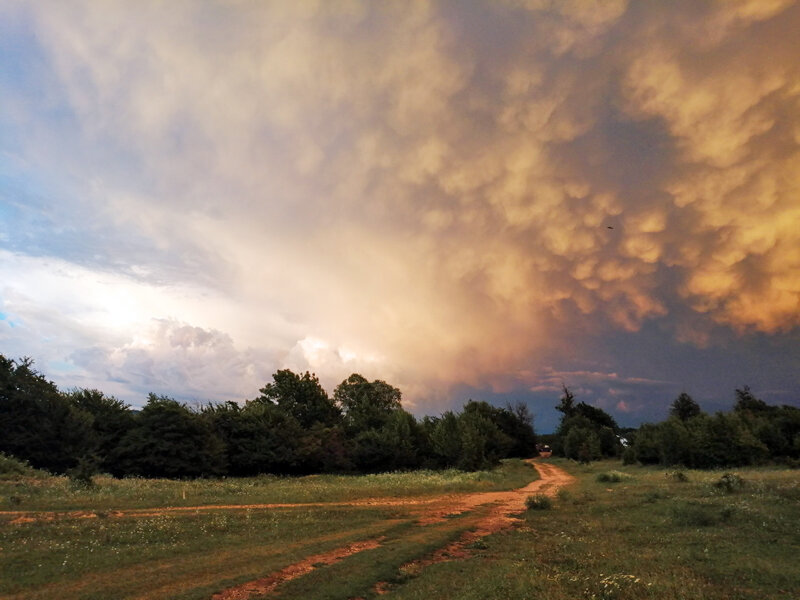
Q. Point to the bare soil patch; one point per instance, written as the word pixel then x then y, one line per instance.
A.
pixel 504 505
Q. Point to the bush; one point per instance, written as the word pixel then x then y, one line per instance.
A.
pixel 696 515
pixel 81 475
pixel 678 476
pixel 538 502
pixel 729 483
pixel 629 456
pixel 612 477
pixel 14 467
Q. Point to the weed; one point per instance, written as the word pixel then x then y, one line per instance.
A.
pixel 616 587
pixel 564 495
pixel 538 502
pixel 478 544
pixel 729 483
pixel 693 514
pixel 629 456
pixel 81 475
pixel 612 477
pixel 12 467
pixel 653 496
pixel 678 476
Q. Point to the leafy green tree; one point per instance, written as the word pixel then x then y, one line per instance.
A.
pixel 169 440
pixel 566 405
pixel 684 407
pixel 37 423
pixel 366 405
pixel 604 430
pixel 111 419
pixel 746 401
pixel 516 422
pixel 721 441
pixel 646 444
pixel 483 443
pixel 597 416
pixel 674 442
pixel 445 437
pixel 302 397
pixel 582 444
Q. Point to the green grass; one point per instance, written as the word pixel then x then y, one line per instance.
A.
pixel 619 532
pixel 59 493
pixel 647 536
pixel 191 554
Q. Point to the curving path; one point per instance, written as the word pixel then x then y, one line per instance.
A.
pixel 503 505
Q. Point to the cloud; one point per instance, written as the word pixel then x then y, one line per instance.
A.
pixel 433 197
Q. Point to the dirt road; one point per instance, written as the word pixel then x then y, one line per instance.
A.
pixel 503 505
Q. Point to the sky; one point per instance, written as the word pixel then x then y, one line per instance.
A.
pixel 468 200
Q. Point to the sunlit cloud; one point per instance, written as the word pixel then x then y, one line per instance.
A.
pixel 433 194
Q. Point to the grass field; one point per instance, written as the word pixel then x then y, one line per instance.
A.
pixel 632 532
pixel 193 553
pixel 616 533
pixel 60 494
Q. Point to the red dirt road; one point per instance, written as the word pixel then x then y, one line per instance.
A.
pixel 503 506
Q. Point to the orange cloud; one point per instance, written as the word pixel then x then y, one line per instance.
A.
pixel 397 188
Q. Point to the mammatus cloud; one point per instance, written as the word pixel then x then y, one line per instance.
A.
pixel 435 195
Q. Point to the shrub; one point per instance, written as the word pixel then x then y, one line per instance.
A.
pixel 729 483
pixel 538 502
pixel 564 495
pixel 612 477
pixel 678 476
pixel 629 456
pixel 81 475
pixel 651 497
pixel 11 466
pixel 695 515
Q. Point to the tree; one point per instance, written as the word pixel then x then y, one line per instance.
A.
pixel 684 407
pixel 483 443
pixel 110 420
pixel 169 440
pixel 746 401
pixel 445 439
pixel 37 423
pixel 302 397
pixel 517 423
pixel 566 405
pixel 582 444
pixel 365 404
pixel 604 438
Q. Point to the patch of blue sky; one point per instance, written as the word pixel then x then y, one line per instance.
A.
pixel 61 366
pixel 6 318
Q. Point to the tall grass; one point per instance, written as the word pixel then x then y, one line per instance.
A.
pixel 96 554
pixel 107 493
pixel 647 537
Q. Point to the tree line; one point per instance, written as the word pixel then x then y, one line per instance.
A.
pixel 292 427
pixel 753 432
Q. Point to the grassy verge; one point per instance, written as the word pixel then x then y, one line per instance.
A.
pixel 59 493
pixel 633 532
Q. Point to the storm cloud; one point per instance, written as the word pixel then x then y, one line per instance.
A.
pixel 473 198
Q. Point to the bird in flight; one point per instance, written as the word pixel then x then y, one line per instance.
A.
pixel 609 227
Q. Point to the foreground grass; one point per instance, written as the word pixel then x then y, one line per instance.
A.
pixel 190 555
pixel 59 493
pixel 633 532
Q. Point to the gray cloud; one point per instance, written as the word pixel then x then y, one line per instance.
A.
pixel 420 192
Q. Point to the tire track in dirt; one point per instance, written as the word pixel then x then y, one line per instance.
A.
pixel 506 504
pixel 266 585
pixel 31 516
pixel 503 506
